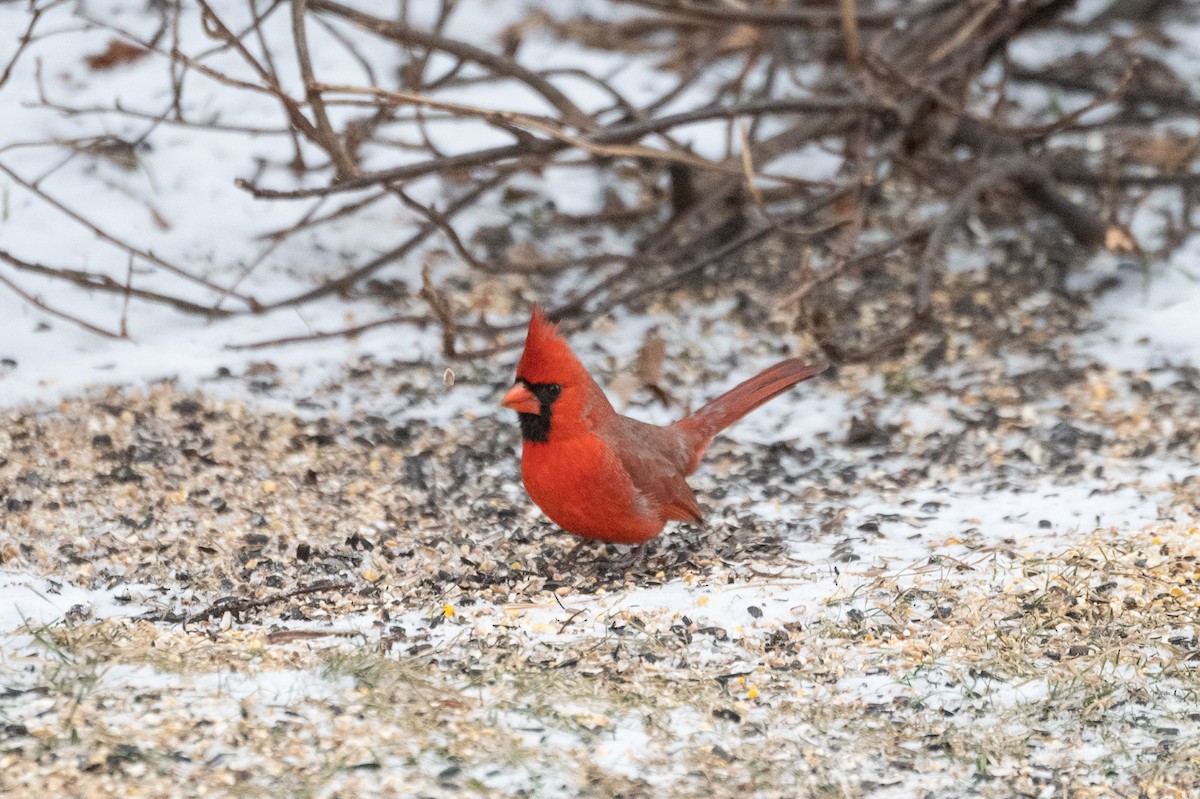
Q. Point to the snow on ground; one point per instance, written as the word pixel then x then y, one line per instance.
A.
pixel 1153 323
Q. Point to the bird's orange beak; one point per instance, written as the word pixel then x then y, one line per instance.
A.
pixel 521 400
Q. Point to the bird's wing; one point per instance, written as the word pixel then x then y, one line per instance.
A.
pixel 683 507
pixel 656 460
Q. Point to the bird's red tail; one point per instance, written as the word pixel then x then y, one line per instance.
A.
pixel 702 425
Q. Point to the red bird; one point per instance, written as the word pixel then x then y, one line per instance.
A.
pixel 598 474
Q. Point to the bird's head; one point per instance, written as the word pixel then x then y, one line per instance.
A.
pixel 553 393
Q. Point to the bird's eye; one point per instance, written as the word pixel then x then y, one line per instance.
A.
pixel 552 391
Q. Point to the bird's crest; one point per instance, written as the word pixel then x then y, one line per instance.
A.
pixel 547 358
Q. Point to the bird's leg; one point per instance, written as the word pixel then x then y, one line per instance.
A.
pixel 570 557
pixel 633 558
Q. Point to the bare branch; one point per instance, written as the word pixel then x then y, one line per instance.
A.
pixel 94 281
pixel 325 135
pixel 145 255
pixel 347 282
pixel 601 141
pixel 1005 170
pixel 506 67
pixel 793 18
pixel 35 14
pixel 42 306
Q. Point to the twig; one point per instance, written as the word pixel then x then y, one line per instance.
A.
pixel 1083 178
pixel 439 220
pixel 520 125
pixel 1005 170
pixel 326 335
pixel 145 255
pixel 269 62
pixel 35 14
pixel 850 20
pixel 310 219
pixel 40 305
pixel 217 29
pixel 616 134
pixel 239 605
pixel 329 141
pixel 539 266
pixel 157 116
pixel 94 281
pixel 794 18
pixel 440 305
pixel 1068 120
pixel 125 299
pixel 864 258
pixel 573 310
pixel 506 67
pixel 348 281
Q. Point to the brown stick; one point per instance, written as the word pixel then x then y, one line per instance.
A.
pixel 423 232
pixel 539 148
pixel 326 335
pixel 145 255
pixel 240 605
pixel 218 30
pixel 1005 170
pixel 42 306
pixel 95 281
pixel 506 67
pixel 35 14
pixel 793 18
pixel 330 142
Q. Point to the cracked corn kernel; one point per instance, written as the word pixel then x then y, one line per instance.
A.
pixel 752 692
pixel 269 487
pixel 703 600
pixel 447 610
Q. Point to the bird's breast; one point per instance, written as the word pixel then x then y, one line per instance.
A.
pixel 584 489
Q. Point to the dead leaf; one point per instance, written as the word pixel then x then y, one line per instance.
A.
pixel 739 38
pixel 650 359
pixel 522 254
pixel 1168 152
pixel 845 209
pixel 115 150
pixel 624 386
pixel 117 53
pixel 1117 239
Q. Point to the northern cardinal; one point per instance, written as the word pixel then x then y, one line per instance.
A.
pixel 602 475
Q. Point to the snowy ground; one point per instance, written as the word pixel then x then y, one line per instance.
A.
pixel 308 570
